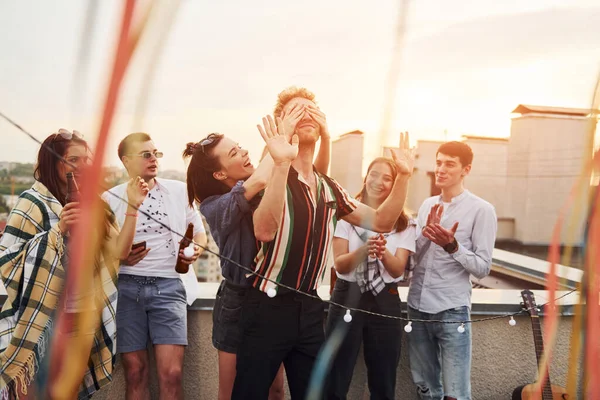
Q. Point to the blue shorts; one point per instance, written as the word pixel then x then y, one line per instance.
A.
pixel 227 333
pixel 150 307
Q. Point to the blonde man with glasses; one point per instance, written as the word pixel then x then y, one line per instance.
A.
pixel 152 295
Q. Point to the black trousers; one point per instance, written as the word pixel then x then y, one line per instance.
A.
pixel 381 338
pixel 287 328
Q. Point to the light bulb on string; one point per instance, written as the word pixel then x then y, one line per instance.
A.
pixel 189 251
pixel 271 292
pixel 461 328
pixel 348 317
pixel 512 321
pixel 408 327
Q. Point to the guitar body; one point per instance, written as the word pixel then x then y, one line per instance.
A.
pixel 527 392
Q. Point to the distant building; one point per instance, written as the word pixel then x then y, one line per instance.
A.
pixel 23 179
pixel 489 177
pixel 549 147
pixel 346 161
pixel 208 267
pixel 173 174
pixel 422 183
pixel 7 165
pixel 114 176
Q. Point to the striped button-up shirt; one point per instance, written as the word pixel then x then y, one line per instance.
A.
pixel 440 280
pixel 301 251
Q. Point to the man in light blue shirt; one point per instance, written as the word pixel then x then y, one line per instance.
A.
pixel 456 231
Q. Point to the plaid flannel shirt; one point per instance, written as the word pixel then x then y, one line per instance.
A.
pixel 32 272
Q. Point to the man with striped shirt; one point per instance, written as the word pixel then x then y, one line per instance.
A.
pixel 295 222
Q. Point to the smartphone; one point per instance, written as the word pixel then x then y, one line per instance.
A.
pixel 138 245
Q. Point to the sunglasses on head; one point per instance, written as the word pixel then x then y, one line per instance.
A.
pixel 68 135
pixel 209 140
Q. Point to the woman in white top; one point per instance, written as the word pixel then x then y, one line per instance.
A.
pixel 368 267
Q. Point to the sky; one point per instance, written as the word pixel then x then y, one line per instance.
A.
pixel 465 65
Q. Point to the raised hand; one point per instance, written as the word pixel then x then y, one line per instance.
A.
pixel 320 118
pixel 279 146
pixel 290 120
pixel 404 156
pixel 435 214
pixel 137 189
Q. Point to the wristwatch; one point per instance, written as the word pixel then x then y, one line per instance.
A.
pixel 451 247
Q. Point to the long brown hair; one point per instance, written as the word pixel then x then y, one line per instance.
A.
pixel 403 220
pixel 201 183
pixel 46 171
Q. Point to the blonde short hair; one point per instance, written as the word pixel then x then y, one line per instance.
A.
pixel 288 94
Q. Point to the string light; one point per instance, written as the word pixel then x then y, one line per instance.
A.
pixel 512 321
pixel 348 317
pixel 189 251
pixel 271 292
pixel 461 328
pixel 408 327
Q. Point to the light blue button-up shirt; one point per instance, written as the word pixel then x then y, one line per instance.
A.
pixel 442 281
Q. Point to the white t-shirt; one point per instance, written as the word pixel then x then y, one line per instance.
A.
pixel 179 215
pixel 403 240
pixel 161 259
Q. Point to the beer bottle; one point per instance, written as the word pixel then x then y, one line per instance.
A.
pixel 181 267
pixel 73 194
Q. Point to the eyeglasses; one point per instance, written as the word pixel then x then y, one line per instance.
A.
pixel 148 155
pixel 68 135
pixel 210 140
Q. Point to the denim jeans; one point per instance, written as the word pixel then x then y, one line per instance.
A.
pixel 227 333
pixel 439 353
pixel 381 338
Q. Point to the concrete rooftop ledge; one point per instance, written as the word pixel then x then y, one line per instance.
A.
pixel 484 301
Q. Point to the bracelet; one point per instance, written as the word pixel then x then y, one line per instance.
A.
pixel 131 214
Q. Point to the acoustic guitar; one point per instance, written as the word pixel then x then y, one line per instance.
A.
pixel 549 391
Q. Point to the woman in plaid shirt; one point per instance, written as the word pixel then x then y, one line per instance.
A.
pixel 33 263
